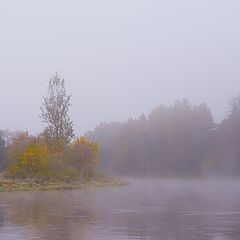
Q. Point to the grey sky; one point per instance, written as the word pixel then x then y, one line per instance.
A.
pixel 119 58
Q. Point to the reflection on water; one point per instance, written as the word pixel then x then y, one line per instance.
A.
pixel 146 209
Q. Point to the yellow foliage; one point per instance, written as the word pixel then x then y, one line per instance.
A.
pixel 84 154
pixel 38 159
pixel 18 144
pixel 32 162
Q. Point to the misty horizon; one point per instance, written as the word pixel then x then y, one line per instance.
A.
pixel 119 60
pixel 125 120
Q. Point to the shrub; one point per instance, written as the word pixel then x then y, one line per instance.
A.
pixel 39 159
pixel 83 154
pixel 31 163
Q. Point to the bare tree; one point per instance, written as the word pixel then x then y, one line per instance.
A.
pixel 55 111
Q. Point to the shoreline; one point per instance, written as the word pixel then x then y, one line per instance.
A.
pixel 12 185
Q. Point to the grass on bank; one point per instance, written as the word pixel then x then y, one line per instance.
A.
pixel 9 185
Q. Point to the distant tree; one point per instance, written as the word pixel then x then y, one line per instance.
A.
pixel 2 152
pixel 172 140
pixel 229 146
pixel 55 111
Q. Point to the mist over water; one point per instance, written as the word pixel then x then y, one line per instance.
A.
pixel 146 209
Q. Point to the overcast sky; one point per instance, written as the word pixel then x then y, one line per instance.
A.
pixel 119 58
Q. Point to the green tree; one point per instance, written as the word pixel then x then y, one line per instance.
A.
pixel 55 111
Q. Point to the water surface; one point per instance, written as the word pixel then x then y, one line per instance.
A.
pixel 146 209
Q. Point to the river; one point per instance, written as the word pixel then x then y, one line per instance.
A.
pixel 146 209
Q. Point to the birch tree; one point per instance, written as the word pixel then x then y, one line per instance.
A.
pixel 55 111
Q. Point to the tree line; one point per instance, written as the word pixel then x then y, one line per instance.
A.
pixel 178 140
pixel 54 154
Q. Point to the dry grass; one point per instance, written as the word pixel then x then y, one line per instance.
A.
pixel 7 185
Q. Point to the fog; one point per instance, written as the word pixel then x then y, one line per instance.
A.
pixel 119 58
pixel 151 95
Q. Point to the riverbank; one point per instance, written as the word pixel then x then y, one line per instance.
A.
pixel 9 185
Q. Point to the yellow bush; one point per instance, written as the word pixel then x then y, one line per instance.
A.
pixel 32 162
pixel 83 154
pixel 37 159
